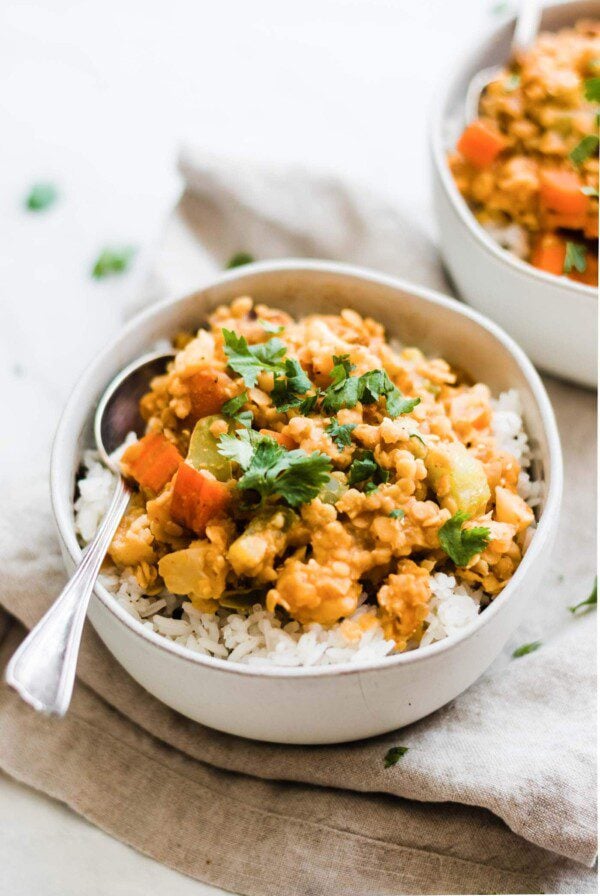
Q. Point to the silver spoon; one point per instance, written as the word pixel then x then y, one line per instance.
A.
pixel 526 29
pixel 42 670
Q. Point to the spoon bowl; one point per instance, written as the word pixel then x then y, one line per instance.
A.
pixel 118 411
pixel 42 670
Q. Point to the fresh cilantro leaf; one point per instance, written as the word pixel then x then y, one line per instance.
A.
pixel 249 360
pixel 512 83
pixel 346 391
pixel 113 260
pixel 366 468
pixel 575 258
pixel 591 601
pixel 526 648
pixel 340 433
pixel 307 406
pixel 397 514
pixel 234 405
pixel 41 196
pixel 295 476
pixel 362 468
pixel 588 190
pixel 592 90
pixel 588 146
pixel 393 755
pixel 268 327
pixel 342 368
pixel 343 391
pixel 375 384
pixel 462 544
pixel 398 404
pixel 343 395
pixel 239 259
pixel 238 447
pixel 287 390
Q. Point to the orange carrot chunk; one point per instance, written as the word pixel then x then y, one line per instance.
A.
pixel 280 438
pixel 208 390
pixel 152 461
pixel 549 254
pixel 560 193
pixel 480 143
pixel 197 499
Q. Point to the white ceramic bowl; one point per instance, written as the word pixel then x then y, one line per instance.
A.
pixel 554 319
pixel 328 704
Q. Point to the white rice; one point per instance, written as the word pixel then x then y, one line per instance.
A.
pixel 511 237
pixel 259 638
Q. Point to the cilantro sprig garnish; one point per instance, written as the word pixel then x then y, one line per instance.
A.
pixel 462 544
pixel 366 470
pixel 587 146
pixel 268 469
pixel 591 601
pixel 575 258
pixel 345 390
pixel 289 390
pixel 250 360
pixel 232 409
pixel 397 514
pixel 340 433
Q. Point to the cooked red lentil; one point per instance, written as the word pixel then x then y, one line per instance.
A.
pixel 306 464
pixel 531 158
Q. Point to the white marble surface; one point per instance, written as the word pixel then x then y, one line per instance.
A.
pixel 96 97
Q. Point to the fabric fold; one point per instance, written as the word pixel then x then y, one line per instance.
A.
pixel 518 746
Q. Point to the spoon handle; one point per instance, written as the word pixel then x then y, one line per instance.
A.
pixel 42 670
pixel 526 26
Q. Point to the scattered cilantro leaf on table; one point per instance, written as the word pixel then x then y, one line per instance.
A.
pixel 462 544
pixel 591 601
pixel 41 196
pixel 526 648
pixel 393 755
pixel 113 260
pixel 239 259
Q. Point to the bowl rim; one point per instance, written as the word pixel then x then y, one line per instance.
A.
pixel 439 149
pixel 63 509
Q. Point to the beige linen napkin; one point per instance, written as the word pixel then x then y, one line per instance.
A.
pixel 519 743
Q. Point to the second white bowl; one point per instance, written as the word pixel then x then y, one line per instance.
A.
pixel 554 319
